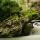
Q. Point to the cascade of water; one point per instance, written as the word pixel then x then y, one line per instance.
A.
pixel 36 29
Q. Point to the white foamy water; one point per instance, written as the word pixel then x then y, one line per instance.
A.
pixel 36 29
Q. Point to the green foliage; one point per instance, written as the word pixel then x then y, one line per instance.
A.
pixel 33 14
pixel 8 8
pixel 34 4
pixel 29 15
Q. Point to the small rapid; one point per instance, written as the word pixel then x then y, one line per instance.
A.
pixel 36 29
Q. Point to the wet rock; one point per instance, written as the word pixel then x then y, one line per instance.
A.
pixel 27 27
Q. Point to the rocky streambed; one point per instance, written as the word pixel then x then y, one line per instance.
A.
pixel 12 28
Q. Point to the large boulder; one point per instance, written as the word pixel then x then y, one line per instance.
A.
pixel 10 29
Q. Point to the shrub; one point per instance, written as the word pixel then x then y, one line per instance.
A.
pixel 8 8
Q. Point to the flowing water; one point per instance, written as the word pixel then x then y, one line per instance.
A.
pixel 36 29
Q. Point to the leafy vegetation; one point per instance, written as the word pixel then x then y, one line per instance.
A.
pixel 8 8
pixel 35 4
pixel 29 15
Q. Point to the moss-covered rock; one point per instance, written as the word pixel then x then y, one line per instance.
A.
pixel 27 27
pixel 10 29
